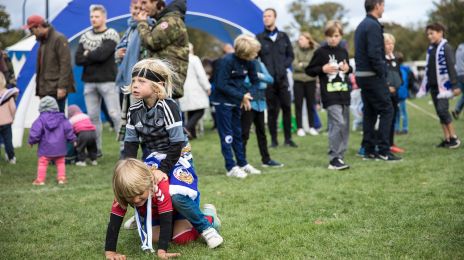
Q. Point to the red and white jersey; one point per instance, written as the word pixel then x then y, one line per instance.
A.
pixel 161 202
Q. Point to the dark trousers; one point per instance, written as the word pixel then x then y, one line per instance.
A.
pixel 7 137
pixel 277 97
pixel 256 118
pixel 230 132
pixel 395 107
pixel 192 119
pixel 377 102
pixel 304 90
pixel 86 140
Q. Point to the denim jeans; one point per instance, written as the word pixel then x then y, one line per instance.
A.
pixel 190 209
pixel 93 94
pixel 7 137
pixel 403 114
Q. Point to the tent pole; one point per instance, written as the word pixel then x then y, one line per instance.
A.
pixel 24 11
pixel 46 10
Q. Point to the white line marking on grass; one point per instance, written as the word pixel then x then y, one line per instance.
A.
pixel 422 110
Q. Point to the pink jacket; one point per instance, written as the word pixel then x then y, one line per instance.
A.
pixel 7 110
pixel 81 122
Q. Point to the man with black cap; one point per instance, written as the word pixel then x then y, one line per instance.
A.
pixel 54 71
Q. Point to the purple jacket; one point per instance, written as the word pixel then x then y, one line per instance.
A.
pixel 51 131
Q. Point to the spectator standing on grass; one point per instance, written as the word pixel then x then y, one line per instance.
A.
pixel 371 70
pixel 330 64
pixel 53 68
pixel 196 93
pixel 277 54
pixel 441 80
pixel 86 136
pixel 304 87
pixel 96 54
pixel 7 114
pixel 460 72
pixel 402 120
pixel 229 96
pixel 51 131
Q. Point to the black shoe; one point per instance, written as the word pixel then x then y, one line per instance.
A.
pixel 337 164
pixel 290 143
pixel 389 157
pixel 455 114
pixel 369 157
pixel 444 144
pixel 453 143
pixel 274 144
pixel 272 163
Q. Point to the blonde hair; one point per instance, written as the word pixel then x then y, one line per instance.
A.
pixel 100 8
pixel 2 81
pixel 161 67
pixel 390 37
pixel 246 47
pixel 312 43
pixel 131 178
pixel 332 27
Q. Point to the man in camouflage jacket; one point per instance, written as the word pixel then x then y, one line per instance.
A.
pixel 168 39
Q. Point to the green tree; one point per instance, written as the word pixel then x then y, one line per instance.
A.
pixel 8 37
pixel 451 14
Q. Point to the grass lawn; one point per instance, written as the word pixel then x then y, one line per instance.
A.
pixel 409 209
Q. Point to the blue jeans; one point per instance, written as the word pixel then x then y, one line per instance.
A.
pixel 190 209
pixel 230 132
pixel 460 103
pixel 7 137
pixel 403 114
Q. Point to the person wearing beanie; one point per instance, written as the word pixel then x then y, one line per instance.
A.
pixel 86 135
pixel 51 131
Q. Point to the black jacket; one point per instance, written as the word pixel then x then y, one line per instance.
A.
pixel 369 47
pixel 276 55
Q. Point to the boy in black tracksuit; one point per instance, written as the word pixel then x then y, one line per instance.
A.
pixel 330 63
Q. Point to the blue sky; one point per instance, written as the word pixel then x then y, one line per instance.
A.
pixel 404 12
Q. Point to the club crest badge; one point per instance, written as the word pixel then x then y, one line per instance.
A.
pixel 183 175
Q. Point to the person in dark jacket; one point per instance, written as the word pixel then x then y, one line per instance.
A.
pixel 54 71
pixel 371 70
pixel 277 54
pixel 330 63
pixel 96 54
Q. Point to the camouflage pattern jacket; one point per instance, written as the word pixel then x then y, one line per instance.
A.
pixel 168 40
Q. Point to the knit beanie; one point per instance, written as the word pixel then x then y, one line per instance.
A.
pixel 73 110
pixel 48 104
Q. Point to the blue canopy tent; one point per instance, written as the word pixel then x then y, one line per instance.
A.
pixel 222 19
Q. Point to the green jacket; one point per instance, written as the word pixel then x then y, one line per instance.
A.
pixel 168 40
pixel 301 61
pixel 53 67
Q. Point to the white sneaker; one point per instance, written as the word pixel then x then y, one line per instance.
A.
pixel 313 131
pixel 300 132
pixel 212 237
pixel 12 161
pixel 250 169
pixel 210 210
pixel 94 162
pixel 237 172
pixel 130 223
pixel 81 164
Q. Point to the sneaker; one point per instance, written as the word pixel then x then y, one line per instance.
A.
pixel 61 180
pixel 312 131
pixel 369 157
pixel 237 172
pixel 250 169
pixel 404 132
pixel 94 162
pixel 290 143
pixel 455 114
pixel 82 164
pixel 396 149
pixel 36 182
pixel 210 210
pixel 301 132
pixel 274 144
pixel 272 163
pixel 212 237
pixel 338 164
pixel 361 152
pixel 389 157
pixel 12 160
pixel 130 223
pixel 454 143
pixel 444 143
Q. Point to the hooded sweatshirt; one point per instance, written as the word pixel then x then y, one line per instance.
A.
pixel 79 121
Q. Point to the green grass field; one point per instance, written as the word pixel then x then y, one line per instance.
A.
pixel 412 209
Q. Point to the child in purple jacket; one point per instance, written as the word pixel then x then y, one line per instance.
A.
pixel 51 131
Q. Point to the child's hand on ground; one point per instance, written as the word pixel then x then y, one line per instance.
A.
pixel 165 255
pixel 110 255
